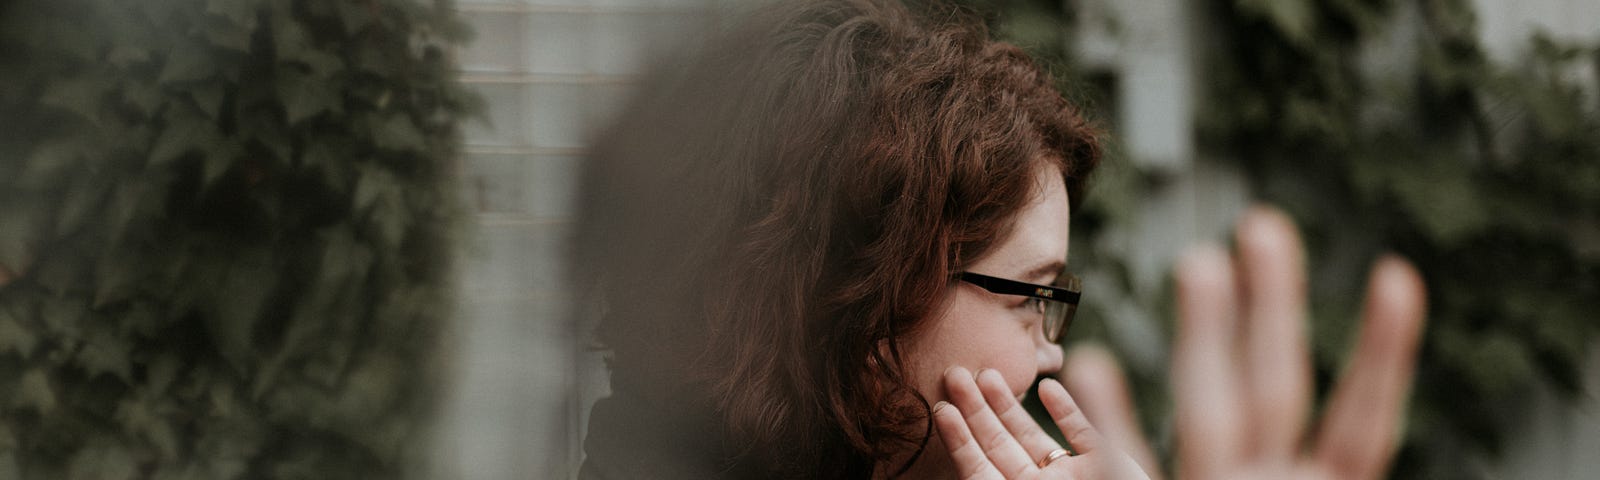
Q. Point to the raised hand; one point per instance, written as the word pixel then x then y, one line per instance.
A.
pixel 1242 372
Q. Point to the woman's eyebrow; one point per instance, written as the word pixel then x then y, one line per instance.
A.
pixel 1044 271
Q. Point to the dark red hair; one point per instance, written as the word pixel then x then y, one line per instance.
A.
pixel 768 218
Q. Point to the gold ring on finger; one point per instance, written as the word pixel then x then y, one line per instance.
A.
pixel 1053 456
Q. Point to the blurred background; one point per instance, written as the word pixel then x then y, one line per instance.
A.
pixel 227 227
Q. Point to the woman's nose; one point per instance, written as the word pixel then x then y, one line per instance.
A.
pixel 1049 357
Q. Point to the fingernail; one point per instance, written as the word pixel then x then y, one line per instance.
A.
pixel 1266 227
pixel 940 406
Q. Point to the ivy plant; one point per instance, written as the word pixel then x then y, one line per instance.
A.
pixel 227 227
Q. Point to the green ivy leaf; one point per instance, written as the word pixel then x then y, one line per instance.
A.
pixel 208 96
pixel 219 158
pixel 1293 18
pixel 142 96
pixel 160 373
pixel 14 337
pixel 188 62
pixel 238 12
pixel 51 162
pixel 230 36
pixel 81 95
pixel 304 97
pixel 289 38
pixel 55 37
pixel 103 353
pixel 355 17
pixel 133 199
pixel 102 463
pixel 390 219
pixel 19 227
pixel 182 135
pixel 137 416
pixel 239 305
pixel 84 198
pixel 117 278
pixel 125 55
pixel 63 317
pixel 8 461
pixel 323 65
pixel 397 133
pixel 370 185
pixel 34 391
pixel 1443 201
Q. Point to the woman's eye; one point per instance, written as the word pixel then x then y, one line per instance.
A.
pixel 1030 304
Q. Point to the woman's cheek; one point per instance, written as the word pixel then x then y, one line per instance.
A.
pixel 1020 376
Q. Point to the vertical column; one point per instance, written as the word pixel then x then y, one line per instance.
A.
pixel 1148 46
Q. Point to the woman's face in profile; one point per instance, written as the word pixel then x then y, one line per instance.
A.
pixel 978 329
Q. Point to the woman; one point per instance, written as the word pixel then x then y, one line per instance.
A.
pixel 831 244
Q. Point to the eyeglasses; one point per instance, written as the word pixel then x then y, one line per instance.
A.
pixel 1057 303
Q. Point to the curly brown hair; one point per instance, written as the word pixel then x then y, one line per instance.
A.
pixel 769 217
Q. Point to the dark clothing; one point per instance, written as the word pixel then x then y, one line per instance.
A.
pixel 633 438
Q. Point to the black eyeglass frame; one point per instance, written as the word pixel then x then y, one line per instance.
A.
pixel 1067 292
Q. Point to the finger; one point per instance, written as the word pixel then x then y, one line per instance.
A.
pixel 1204 374
pixel 965 453
pixel 1278 365
pixel 1002 448
pixel 1080 434
pixel 1103 394
pixel 1359 431
pixel 1014 417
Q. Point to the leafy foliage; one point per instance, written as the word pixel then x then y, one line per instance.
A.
pixel 1383 125
pixel 230 226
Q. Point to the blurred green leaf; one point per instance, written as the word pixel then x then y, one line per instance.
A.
pixel 187 62
pixel 125 55
pixel 398 133
pixel 103 463
pixel 182 135
pixel 82 95
pixel 238 12
pixel 239 307
pixel 34 391
pixel 52 162
pixel 14 338
pixel 1293 18
pixel 208 96
pixel 233 36
pixel 304 97
pixel 220 156
pixel 18 227
pixel 103 353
